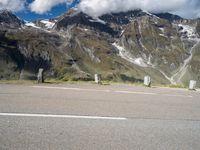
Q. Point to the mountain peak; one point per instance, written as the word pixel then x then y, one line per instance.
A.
pixel 169 16
pixel 7 17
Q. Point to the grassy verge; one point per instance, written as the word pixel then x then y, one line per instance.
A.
pixel 17 82
pixel 53 81
pixel 170 86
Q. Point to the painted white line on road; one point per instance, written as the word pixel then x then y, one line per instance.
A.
pixel 58 88
pixel 110 91
pixel 61 116
pixel 143 93
pixel 188 96
pixel 93 90
pixel 74 89
pixel 130 92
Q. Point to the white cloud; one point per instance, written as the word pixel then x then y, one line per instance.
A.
pixel 42 6
pixel 185 8
pixel 12 5
pixel 99 7
pixel 189 10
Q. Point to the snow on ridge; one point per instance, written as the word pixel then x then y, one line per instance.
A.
pixel 150 14
pixel 31 24
pixel 48 24
pixel 123 53
pixel 97 20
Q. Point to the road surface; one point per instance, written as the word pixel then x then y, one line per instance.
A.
pixel 93 117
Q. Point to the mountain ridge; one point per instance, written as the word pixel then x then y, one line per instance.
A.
pixel 120 46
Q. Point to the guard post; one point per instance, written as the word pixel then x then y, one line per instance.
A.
pixel 192 85
pixel 147 81
pixel 40 76
pixel 97 78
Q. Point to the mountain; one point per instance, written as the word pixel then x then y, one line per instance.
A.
pixel 7 18
pixel 169 17
pixel 120 46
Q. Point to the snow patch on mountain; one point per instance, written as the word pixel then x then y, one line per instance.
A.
pixel 31 24
pixel 140 62
pixel 162 29
pixel 188 31
pixel 97 20
pixel 48 24
pixel 123 53
pixel 163 35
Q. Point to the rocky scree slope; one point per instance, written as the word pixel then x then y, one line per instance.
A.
pixel 122 47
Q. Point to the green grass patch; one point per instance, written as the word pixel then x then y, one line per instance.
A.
pixel 104 82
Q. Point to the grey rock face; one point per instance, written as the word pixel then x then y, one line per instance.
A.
pixel 122 47
pixel 9 19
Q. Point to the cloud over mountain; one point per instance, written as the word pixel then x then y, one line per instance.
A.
pixel 41 6
pixel 186 8
pixel 12 5
pixel 95 8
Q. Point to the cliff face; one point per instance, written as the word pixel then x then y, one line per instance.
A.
pixel 122 47
pixel 10 20
pixel 153 42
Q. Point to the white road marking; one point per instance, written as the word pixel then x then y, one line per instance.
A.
pixel 62 116
pixel 109 91
pixel 143 93
pixel 59 88
pixel 131 92
pixel 74 89
pixel 178 95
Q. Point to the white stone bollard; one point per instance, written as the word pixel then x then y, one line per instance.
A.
pixel 192 85
pixel 40 77
pixel 21 76
pixel 97 78
pixel 147 81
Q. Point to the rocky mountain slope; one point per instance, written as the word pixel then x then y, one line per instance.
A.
pixel 121 47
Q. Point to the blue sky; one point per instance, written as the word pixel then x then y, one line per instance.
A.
pixel 57 10
pixel 30 16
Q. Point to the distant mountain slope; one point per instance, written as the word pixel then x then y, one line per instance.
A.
pixel 7 18
pixel 169 17
pixel 121 46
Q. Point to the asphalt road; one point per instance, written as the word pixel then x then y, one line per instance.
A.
pixel 92 117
